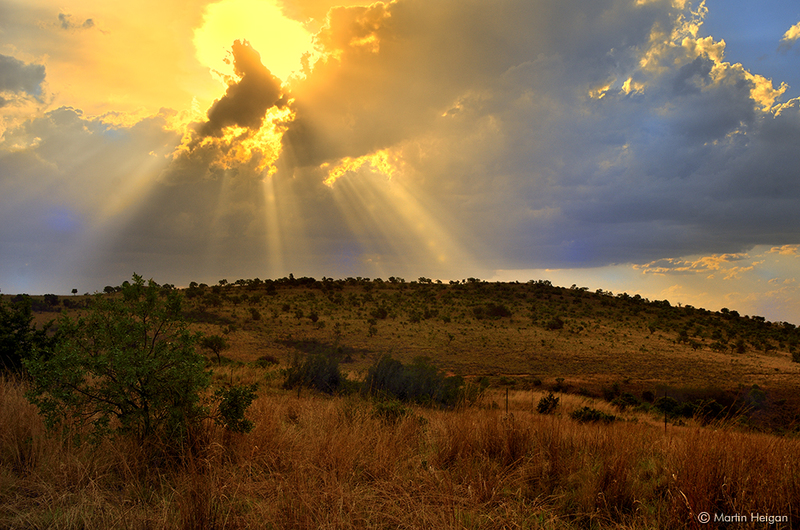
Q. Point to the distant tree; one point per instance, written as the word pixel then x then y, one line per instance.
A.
pixel 74 292
pixel 51 300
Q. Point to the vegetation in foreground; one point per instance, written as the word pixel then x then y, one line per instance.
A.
pixel 287 439
pixel 337 462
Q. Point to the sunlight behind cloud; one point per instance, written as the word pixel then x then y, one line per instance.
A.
pixel 280 41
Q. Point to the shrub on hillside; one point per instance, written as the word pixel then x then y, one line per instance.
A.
pixel 490 310
pixel 317 370
pixel 18 336
pixel 420 382
pixel 587 414
pixel 233 402
pixel 625 400
pixel 548 404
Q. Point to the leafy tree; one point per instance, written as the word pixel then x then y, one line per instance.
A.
pixel 18 337
pixel 216 344
pixel 127 366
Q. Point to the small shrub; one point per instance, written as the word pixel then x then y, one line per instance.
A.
pixel 490 310
pixel 380 313
pixel 548 404
pixel 590 415
pixel 233 402
pixel 420 382
pixel 390 411
pixel 625 400
pixel 505 380
pixel 666 405
pixel 266 361
pixel 319 371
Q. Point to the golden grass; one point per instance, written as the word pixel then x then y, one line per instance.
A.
pixel 316 462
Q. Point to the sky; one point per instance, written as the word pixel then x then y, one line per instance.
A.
pixel 639 146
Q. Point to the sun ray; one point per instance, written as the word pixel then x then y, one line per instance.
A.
pixel 388 218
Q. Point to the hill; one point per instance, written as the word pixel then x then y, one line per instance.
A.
pixel 517 335
pixel 615 368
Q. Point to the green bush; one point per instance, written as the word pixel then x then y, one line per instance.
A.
pixel 318 370
pixel 666 405
pixel 128 366
pixel 548 404
pixel 490 310
pixel 625 400
pixel 390 411
pixel 18 337
pixel 590 415
pixel 233 402
pixel 266 361
pixel 419 382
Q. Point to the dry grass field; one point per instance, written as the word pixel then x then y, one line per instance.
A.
pixel 320 461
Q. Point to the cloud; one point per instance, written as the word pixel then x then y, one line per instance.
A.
pixel 424 135
pixel 65 21
pixel 786 250
pixel 789 38
pixel 17 76
pixel 519 121
pixel 247 100
pixel 703 265
pixel 67 183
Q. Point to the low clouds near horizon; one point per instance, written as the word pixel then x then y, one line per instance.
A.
pixel 445 139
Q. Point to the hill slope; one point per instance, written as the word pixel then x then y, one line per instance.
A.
pixel 526 335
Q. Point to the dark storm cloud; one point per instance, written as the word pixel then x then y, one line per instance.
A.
pixel 399 66
pixel 556 133
pixel 17 76
pixel 564 133
pixel 245 102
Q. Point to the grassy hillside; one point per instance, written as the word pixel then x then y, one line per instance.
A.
pixel 517 335
pixel 729 445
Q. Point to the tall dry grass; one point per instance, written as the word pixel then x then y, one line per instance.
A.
pixel 315 462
